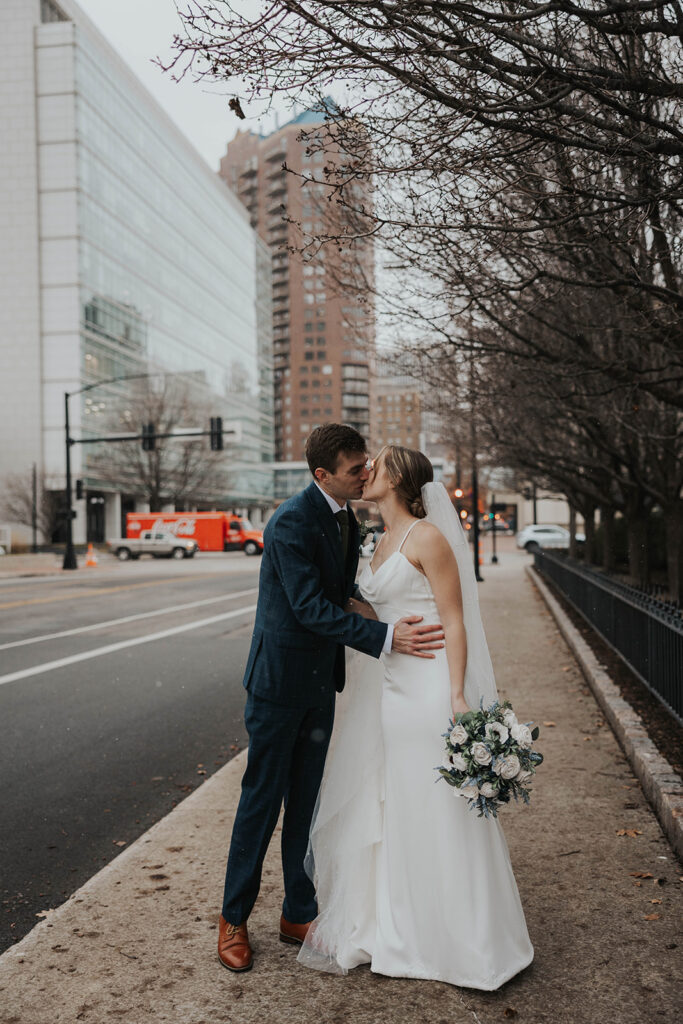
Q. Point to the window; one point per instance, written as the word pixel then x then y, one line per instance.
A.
pixel 322 354
pixel 320 341
pixel 308 355
pixel 320 325
pixel 50 11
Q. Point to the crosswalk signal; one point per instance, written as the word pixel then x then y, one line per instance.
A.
pixel 216 433
pixel 148 437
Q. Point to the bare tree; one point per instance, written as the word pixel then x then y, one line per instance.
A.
pixel 176 470
pixel 16 504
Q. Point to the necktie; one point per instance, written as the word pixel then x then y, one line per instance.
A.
pixel 342 518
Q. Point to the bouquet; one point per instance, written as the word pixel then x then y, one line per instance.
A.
pixel 489 757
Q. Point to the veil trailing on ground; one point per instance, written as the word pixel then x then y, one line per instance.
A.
pixel 347 823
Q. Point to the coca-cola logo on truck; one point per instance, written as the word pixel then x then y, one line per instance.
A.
pixel 179 527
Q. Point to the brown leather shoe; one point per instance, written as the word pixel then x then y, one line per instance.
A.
pixel 294 933
pixel 234 951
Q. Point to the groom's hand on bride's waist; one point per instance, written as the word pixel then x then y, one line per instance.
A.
pixel 411 638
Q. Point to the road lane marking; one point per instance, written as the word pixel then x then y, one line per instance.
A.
pixel 127 618
pixel 50 666
pixel 100 591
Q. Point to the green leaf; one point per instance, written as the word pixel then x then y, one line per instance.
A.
pixel 535 733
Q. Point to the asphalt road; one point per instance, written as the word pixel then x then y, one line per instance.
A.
pixel 120 693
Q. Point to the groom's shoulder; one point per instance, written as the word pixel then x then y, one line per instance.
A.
pixel 294 509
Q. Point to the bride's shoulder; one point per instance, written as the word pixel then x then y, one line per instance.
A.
pixel 428 536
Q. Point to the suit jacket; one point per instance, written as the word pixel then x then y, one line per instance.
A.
pixel 297 654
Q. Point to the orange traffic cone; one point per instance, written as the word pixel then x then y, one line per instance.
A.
pixel 91 560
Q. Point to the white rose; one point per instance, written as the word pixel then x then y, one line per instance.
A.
pixel 509 717
pixel 488 790
pixel 459 762
pixel 470 792
pixel 522 734
pixel 495 729
pixel 507 767
pixel 524 777
pixel 459 735
pixel 481 753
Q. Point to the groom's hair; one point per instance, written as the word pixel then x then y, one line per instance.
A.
pixel 326 443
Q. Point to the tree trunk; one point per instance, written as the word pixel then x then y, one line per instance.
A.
pixel 607 523
pixel 673 519
pixel 589 530
pixel 638 560
pixel 572 531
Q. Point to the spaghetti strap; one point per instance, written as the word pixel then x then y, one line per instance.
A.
pixel 405 535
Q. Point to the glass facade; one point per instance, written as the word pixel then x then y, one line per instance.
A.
pixel 172 279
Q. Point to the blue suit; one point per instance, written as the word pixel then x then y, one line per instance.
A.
pixel 295 665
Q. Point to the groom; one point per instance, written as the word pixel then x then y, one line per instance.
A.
pixel 295 665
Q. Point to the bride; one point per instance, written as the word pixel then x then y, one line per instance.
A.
pixel 408 878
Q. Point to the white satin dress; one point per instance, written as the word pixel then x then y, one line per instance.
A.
pixel 409 879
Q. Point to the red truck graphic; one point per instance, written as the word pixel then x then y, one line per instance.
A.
pixel 213 531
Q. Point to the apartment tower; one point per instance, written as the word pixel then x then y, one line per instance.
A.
pixel 323 338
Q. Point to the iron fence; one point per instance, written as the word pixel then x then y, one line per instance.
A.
pixel 646 632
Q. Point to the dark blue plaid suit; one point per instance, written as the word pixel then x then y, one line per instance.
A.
pixel 295 664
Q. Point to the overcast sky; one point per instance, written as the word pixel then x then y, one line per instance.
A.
pixel 140 30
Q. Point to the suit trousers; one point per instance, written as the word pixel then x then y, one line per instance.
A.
pixel 286 758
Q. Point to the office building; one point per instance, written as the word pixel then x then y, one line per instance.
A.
pixel 122 253
pixel 323 338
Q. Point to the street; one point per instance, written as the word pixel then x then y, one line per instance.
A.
pixel 120 693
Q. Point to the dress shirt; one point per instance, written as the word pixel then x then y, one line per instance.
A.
pixel 336 507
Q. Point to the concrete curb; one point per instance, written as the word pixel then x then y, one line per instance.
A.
pixel 661 784
pixel 173 824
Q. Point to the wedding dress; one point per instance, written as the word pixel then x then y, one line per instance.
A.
pixel 408 878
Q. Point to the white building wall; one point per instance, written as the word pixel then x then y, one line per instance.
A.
pixel 58 191
pixel 20 352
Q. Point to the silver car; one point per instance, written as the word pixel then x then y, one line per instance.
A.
pixel 545 537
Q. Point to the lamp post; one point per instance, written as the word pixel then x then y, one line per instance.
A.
pixel 475 477
pixel 494 557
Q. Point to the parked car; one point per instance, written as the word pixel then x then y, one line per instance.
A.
pixel 157 543
pixel 545 537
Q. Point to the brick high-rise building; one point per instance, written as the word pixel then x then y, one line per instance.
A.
pixel 323 339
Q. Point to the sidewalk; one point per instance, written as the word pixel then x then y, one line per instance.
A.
pixel 137 943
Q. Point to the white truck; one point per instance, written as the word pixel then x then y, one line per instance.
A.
pixel 157 543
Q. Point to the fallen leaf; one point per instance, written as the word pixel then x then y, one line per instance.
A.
pixel 655 901
pixel 548 725
pixel 119 842
pixel 642 874
pixel 659 881
pixel 639 884
pixel 631 832
pixel 652 917
pixel 509 1012
pixel 44 913
pixel 565 668
pixel 586 739
pixel 202 771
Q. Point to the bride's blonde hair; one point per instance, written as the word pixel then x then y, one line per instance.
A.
pixel 409 470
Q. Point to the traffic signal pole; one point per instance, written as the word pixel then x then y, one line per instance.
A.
pixel 148 436
pixel 69 553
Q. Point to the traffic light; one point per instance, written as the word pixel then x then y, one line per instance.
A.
pixel 216 433
pixel 148 437
pixel 79 490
